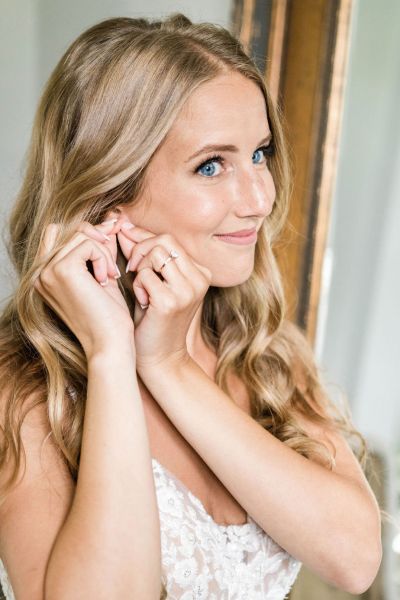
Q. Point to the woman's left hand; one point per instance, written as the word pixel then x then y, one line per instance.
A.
pixel 173 295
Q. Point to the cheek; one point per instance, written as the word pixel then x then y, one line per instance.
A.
pixel 202 212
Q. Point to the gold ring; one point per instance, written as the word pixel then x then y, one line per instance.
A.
pixel 172 254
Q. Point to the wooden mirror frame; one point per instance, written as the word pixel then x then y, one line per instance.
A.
pixel 302 48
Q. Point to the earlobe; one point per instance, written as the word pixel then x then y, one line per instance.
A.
pixel 115 213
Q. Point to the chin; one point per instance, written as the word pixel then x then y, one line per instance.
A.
pixel 233 280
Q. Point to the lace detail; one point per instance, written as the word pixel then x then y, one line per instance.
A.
pixel 202 559
pixel 5 584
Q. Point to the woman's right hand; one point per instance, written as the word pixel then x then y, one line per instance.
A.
pixel 95 312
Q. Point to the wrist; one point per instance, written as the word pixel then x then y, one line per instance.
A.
pixel 124 346
pixel 171 364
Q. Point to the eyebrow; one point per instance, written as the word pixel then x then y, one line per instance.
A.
pixel 224 148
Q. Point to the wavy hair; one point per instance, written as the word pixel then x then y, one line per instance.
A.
pixel 105 110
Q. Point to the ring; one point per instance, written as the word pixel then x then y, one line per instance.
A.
pixel 172 254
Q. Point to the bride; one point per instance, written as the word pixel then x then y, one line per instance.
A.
pixel 164 424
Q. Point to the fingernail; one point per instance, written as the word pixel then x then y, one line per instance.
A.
pixel 118 271
pixel 103 283
pixel 107 237
pixel 109 222
pixel 127 267
pixel 127 225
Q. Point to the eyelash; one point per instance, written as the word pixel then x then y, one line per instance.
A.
pixel 268 151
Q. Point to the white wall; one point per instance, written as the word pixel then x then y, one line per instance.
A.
pixel 18 68
pixel 60 22
pixel 365 186
pixel 361 347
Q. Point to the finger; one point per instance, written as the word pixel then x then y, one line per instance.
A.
pixel 87 229
pixel 143 247
pixel 103 232
pixel 135 233
pixel 87 250
pixel 110 227
pixel 52 229
pixel 145 240
pixel 99 232
pixel 139 313
pixel 48 240
pixel 101 269
pixel 128 240
pixel 149 289
pixel 184 262
pixel 162 263
pixel 126 246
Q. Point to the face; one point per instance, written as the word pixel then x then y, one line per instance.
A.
pixel 197 197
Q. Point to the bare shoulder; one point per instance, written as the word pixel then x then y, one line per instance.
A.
pixel 35 509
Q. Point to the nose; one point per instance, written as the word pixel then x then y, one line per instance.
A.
pixel 256 193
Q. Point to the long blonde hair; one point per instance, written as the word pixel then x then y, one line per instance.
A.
pixel 105 110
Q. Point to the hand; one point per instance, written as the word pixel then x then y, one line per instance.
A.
pixel 173 295
pixel 96 313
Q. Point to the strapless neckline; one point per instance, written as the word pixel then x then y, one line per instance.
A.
pixel 240 527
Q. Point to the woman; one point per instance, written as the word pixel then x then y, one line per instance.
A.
pixel 173 420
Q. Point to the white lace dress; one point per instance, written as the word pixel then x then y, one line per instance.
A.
pixel 203 560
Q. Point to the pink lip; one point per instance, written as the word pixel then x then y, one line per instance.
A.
pixel 241 239
pixel 241 233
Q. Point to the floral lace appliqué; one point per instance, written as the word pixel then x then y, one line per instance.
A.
pixel 202 559
pixel 5 584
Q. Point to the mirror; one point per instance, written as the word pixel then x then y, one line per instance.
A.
pixel 328 251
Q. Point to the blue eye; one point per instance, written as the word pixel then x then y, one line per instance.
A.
pixel 259 150
pixel 208 167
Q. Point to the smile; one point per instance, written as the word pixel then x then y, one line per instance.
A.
pixel 242 240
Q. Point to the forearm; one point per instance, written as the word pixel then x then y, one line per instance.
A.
pixel 317 515
pixel 109 546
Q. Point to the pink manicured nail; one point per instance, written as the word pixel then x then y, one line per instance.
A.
pixel 107 237
pixel 127 267
pixel 111 221
pixel 127 225
pixel 103 283
pixel 118 271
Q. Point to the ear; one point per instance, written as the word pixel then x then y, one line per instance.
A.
pixel 114 213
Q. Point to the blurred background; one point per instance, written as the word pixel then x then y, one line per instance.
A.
pixel 334 68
